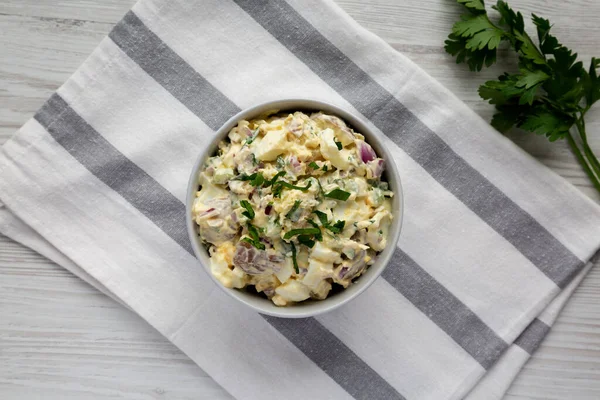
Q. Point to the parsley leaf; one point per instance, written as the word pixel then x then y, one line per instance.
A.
pixel 313 165
pixel 306 240
pixel 475 6
pixel 544 121
pixel 481 33
pixel 294 208
pixel 338 144
pixel 591 83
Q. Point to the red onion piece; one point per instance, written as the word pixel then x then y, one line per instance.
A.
pixel 366 152
pixel 211 212
pixel 376 168
pixel 295 164
pixel 296 127
pixel 245 131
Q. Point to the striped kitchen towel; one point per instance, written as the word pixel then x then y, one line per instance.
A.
pixel 493 243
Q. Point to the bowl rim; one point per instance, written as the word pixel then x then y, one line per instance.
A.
pixel 316 307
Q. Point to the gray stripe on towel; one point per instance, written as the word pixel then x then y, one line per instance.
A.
pixel 532 336
pixel 172 72
pixel 444 309
pixel 113 168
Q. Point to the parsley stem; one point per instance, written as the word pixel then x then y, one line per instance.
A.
pixel 583 162
pixel 586 147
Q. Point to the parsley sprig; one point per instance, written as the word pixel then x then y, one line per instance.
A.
pixel 551 93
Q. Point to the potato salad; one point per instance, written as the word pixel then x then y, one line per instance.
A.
pixel 291 206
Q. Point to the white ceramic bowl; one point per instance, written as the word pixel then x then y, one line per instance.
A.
pixel 310 307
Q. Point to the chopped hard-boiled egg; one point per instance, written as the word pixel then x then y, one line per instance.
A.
pixel 272 145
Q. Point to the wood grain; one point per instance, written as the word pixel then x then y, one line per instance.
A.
pixel 62 339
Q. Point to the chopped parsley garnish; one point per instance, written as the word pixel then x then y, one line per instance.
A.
pixel 277 191
pixel 294 261
pixel 318 236
pixel 254 135
pixel 280 162
pixel 290 186
pixel 303 231
pixel 278 187
pixel 338 194
pixel 256 179
pixel 320 187
pixel 313 165
pixel 254 162
pixel 324 168
pixel 313 223
pixel 274 179
pixel 306 240
pixel 322 217
pixel 293 209
pixel 338 144
pixel 335 228
pixel 254 239
pixel 249 210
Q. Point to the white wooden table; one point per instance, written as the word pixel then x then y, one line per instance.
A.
pixel 62 339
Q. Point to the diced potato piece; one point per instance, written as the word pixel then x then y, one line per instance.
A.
pixel 293 290
pixel 272 145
